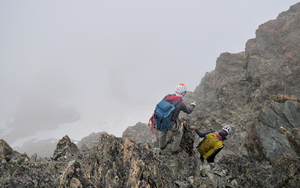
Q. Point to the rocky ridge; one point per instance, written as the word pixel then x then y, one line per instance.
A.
pixel 256 92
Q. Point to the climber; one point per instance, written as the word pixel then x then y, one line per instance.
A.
pixel 212 143
pixel 175 99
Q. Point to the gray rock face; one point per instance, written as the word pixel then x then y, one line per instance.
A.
pixel 239 90
pixel 270 142
pixel 141 133
pixel 91 140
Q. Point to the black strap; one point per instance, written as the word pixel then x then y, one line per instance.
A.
pixel 177 103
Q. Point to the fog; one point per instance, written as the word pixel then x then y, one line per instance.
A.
pixel 77 67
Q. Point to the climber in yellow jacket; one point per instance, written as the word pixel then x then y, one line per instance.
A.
pixel 212 143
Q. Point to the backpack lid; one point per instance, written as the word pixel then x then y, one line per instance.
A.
pixel 165 105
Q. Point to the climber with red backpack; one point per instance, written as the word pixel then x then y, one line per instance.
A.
pixel 212 143
pixel 166 114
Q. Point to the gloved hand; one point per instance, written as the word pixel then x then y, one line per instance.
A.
pixel 193 127
pixel 193 103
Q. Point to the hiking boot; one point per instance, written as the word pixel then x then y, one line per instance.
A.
pixel 156 151
pixel 162 148
pixel 175 152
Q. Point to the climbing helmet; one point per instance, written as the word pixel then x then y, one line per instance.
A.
pixel 180 89
pixel 227 129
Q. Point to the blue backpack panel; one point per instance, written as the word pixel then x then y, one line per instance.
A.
pixel 163 114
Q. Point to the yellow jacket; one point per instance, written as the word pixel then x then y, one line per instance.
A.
pixel 210 145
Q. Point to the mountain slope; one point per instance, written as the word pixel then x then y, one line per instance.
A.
pixel 256 92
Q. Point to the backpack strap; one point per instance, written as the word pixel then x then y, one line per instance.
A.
pixel 218 136
pixel 174 98
pixel 177 103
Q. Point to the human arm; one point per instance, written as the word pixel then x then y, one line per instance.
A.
pixel 187 109
pixel 202 134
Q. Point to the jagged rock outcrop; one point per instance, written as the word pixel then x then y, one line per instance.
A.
pixel 65 148
pixel 5 150
pixel 114 162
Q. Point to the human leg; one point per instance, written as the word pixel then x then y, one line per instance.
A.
pixel 162 139
pixel 177 133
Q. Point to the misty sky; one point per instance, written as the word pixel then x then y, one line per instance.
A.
pixel 77 67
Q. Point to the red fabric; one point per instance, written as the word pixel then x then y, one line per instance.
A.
pixel 219 136
pixel 173 98
pixel 152 125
